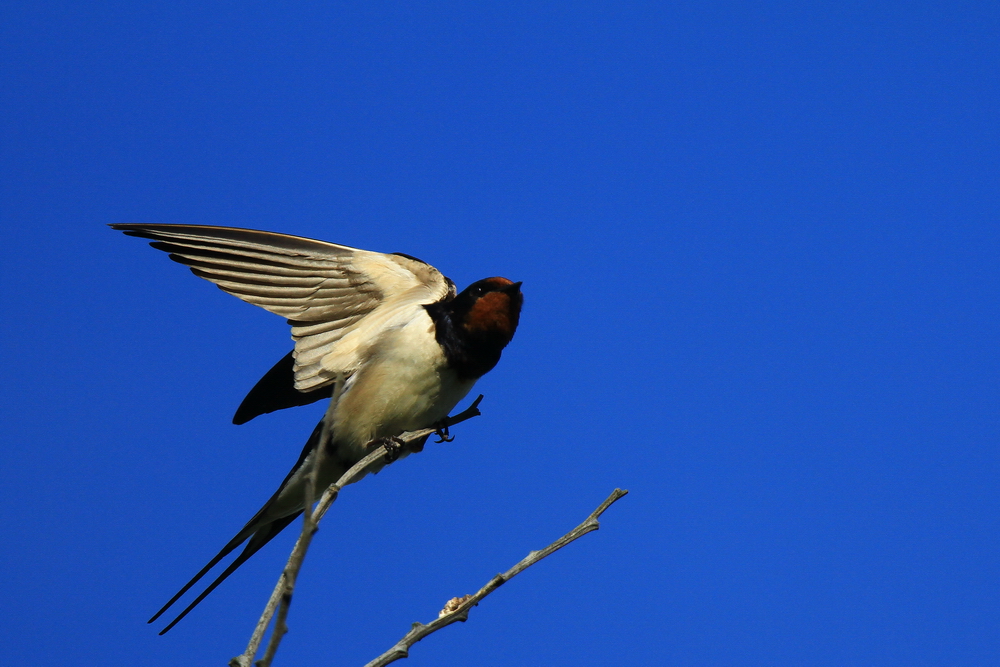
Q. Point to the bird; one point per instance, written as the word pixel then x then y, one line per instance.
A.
pixel 402 343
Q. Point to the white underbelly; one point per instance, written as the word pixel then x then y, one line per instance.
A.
pixel 404 384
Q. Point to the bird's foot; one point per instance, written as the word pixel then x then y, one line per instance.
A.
pixel 442 432
pixel 393 446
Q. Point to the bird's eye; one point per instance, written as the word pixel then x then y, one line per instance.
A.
pixel 479 290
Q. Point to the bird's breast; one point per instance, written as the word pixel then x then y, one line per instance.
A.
pixel 403 384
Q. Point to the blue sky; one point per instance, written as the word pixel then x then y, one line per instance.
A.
pixel 759 248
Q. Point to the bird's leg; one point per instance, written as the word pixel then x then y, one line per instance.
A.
pixel 393 446
pixel 441 426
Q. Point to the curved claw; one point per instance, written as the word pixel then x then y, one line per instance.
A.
pixel 444 435
pixel 393 446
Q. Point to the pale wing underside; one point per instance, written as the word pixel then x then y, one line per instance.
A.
pixel 336 298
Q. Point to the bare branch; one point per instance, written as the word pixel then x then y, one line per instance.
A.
pixel 281 596
pixel 309 528
pixel 457 609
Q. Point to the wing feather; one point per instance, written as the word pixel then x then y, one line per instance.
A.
pixel 337 299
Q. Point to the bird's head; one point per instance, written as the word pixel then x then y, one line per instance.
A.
pixel 489 309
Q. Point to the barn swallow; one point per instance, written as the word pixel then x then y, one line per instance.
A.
pixel 405 346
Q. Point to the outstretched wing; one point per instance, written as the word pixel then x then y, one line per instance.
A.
pixel 336 298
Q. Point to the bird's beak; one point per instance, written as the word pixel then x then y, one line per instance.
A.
pixel 512 289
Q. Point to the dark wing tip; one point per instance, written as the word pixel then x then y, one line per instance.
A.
pixel 276 391
pixel 226 236
pixel 134 229
pixel 243 415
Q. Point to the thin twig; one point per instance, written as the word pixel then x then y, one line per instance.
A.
pixel 309 529
pixel 457 609
pixel 282 593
